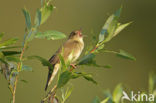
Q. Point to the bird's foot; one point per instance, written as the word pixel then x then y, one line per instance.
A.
pixel 73 65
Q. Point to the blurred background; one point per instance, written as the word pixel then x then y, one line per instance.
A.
pixel 138 39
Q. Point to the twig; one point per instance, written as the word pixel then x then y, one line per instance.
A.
pixel 51 93
pixel 18 69
pixel 93 49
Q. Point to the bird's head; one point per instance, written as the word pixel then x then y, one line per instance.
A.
pixel 76 35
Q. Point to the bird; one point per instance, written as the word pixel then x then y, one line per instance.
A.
pixel 70 51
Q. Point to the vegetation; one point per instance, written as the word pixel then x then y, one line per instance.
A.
pixel 13 57
pixel 117 95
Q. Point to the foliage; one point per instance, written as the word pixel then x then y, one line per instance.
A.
pixel 110 29
pixel 13 61
pixel 66 93
pixel 50 35
pixel 116 96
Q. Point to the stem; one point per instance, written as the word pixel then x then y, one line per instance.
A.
pixel 71 69
pixel 92 51
pixel 97 46
pixel 109 51
pixel 100 44
pixel 18 69
pixel 51 93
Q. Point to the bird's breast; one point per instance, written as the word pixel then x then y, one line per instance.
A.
pixel 72 50
pixel 77 52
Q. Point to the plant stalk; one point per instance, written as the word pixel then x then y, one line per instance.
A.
pixel 51 93
pixel 18 69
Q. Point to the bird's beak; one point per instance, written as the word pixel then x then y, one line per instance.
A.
pixel 80 32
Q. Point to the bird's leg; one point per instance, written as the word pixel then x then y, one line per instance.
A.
pixel 73 65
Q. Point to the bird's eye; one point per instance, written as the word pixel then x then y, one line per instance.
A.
pixel 72 34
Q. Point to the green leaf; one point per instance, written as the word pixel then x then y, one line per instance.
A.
pixel 120 28
pixel 86 59
pixel 64 78
pixel 9 53
pixel 38 18
pixel 125 55
pixel 105 100
pixel 1 55
pixel 63 95
pixel 122 54
pixel 99 48
pixel 89 77
pixel 107 66
pixel 109 27
pixel 42 60
pixel 117 94
pixel 102 34
pixel 27 18
pixel 108 94
pixel 86 76
pixel 13 59
pixel 11 47
pixel 26 68
pixel 63 65
pixel 8 42
pixel 31 34
pixel 3 61
pixel 68 93
pixel 46 12
pixel 89 61
pixel 24 81
pixel 152 82
pixel 96 100
pixel 104 31
pixel 50 35
pixel 118 12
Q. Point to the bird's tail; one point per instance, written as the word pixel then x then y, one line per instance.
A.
pixel 51 75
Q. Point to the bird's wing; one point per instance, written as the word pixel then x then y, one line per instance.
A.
pixel 53 71
pixel 51 75
pixel 55 58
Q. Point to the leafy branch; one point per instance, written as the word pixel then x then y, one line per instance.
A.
pixel 12 62
pixel 12 57
pixel 110 29
pixel 116 96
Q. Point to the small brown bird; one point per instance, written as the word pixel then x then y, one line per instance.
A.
pixel 70 51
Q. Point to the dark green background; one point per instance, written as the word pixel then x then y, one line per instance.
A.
pixel 138 39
